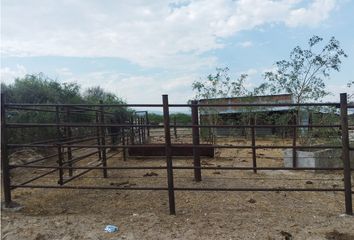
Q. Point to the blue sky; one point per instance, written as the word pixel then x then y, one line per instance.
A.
pixel 142 49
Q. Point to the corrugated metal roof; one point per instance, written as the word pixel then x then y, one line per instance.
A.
pixel 257 109
pixel 277 98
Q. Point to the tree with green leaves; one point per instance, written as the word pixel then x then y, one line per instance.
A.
pixel 96 94
pixel 214 86
pixel 303 75
pixel 38 88
pixel 220 85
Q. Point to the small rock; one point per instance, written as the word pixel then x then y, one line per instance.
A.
pixel 120 184
pixel 252 200
pixel 39 236
pixel 309 182
pixel 345 215
pixel 287 236
pixel 14 207
pixel 150 174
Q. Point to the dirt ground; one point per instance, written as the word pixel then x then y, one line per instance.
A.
pixel 83 214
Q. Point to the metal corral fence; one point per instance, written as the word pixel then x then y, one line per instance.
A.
pixel 104 134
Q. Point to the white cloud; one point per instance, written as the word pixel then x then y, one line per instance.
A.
pixel 167 34
pixel 63 72
pixel 246 44
pixel 313 15
pixel 335 90
pixel 135 88
pixel 8 75
pixel 252 71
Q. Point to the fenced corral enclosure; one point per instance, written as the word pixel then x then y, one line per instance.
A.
pixel 93 144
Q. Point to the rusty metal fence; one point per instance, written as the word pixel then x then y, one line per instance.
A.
pixel 105 134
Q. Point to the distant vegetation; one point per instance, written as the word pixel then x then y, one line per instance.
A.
pixel 41 89
pixel 181 118
pixel 38 88
pixel 302 75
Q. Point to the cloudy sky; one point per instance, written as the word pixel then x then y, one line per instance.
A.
pixel 141 49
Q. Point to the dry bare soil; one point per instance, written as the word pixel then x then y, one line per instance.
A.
pixel 83 214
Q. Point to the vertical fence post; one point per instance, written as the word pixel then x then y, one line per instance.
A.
pixel 60 150
pixel 346 154
pixel 103 140
pixel 57 121
pixel 139 129
pixel 123 142
pixel 132 137
pixel 147 122
pixel 168 149
pixel 140 120
pixel 112 133
pixel 60 164
pixel 69 135
pixel 253 140
pixel 98 137
pixel 4 156
pixel 175 126
pixel 196 142
pixel 143 129
pixel 294 140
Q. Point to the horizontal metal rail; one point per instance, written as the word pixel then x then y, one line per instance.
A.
pixel 16 125
pixel 69 140
pixel 54 140
pixel 66 180
pixel 38 177
pixel 79 174
pixel 86 167
pixel 89 187
pixel 51 156
pixel 77 112
pixel 178 146
pixel 78 158
pixel 114 154
pixel 263 189
pixel 187 189
pixel 86 139
pixel 33 109
pixel 81 105
pixel 94 110
pixel 47 157
pixel 180 167
pixel 328 104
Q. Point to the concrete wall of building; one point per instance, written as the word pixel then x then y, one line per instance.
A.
pixel 326 158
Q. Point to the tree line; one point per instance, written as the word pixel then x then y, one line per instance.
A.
pixel 40 89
